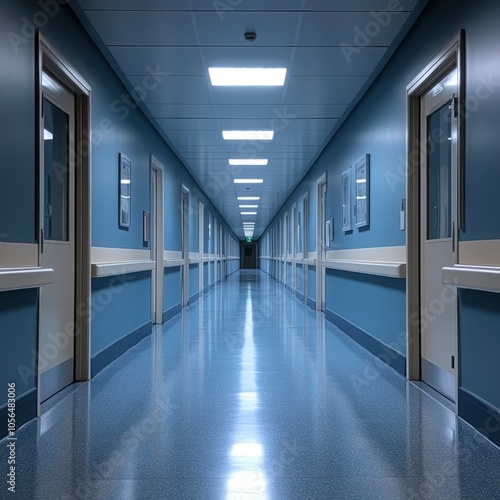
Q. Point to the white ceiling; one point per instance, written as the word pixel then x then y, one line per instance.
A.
pixel 308 37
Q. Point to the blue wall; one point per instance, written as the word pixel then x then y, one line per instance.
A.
pixel 172 293
pixel 374 304
pixel 115 128
pixel 479 344
pixel 120 305
pixel 18 325
pixel 377 126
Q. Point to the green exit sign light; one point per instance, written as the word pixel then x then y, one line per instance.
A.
pixel 249 240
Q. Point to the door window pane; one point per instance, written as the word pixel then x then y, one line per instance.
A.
pixel 56 172
pixel 439 174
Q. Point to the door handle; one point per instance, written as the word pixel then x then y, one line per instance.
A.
pixel 453 236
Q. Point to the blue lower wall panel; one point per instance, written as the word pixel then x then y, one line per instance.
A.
pixel 311 303
pixel 478 413
pixel 374 304
pixel 385 353
pixel 112 352
pixel 194 282
pixel 173 311
pixel 25 411
pixel 18 337
pixel 479 344
pixel 311 285
pixel 172 291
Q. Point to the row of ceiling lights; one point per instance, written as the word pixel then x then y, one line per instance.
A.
pixel 248 77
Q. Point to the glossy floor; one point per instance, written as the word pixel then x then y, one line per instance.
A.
pixel 249 394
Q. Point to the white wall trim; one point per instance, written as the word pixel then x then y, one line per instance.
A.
pixel 25 277
pixel 475 277
pixel 102 269
pixel 103 255
pixel 479 253
pixel 375 254
pixel 389 269
pixel 172 254
pixel 116 261
pixel 18 254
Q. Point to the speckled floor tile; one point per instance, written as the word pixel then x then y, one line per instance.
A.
pixel 249 394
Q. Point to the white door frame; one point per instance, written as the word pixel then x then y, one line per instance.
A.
pixel 320 242
pixel 157 240
pixel 201 245
pixel 451 56
pixel 305 243
pixel 185 244
pixel 294 247
pixel 285 249
pixel 49 58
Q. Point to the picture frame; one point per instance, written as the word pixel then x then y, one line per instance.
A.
pixel 124 190
pixel 145 227
pixel 362 175
pixel 346 200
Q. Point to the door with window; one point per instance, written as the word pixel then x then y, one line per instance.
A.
pixel 57 237
pixel 438 245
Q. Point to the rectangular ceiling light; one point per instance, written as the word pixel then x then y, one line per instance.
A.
pixel 248 181
pixel 249 206
pixel 247 77
pixel 248 213
pixel 244 162
pixel 248 198
pixel 248 135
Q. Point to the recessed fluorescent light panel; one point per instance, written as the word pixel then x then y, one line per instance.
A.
pixel 248 198
pixel 248 181
pixel 247 77
pixel 249 162
pixel 248 213
pixel 248 135
pixel 249 206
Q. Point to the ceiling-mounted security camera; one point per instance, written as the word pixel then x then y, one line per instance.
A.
pixel 250 36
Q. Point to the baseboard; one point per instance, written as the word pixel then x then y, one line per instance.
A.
pixel 289 288
pixel 25 411
pixel 114 351
pixel 299 295
pixel 311 303
pixel 481 415
pixel 170 313
pixel 59 376
pixel 194 298
pixel 387 354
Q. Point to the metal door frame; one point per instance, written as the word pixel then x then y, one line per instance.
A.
pixel 450 57
pixel 50 59
pixel 157 239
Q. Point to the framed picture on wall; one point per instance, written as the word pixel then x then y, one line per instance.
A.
pixel 145 227
pixel 362 170
pixel 346 200
pixel 125 168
